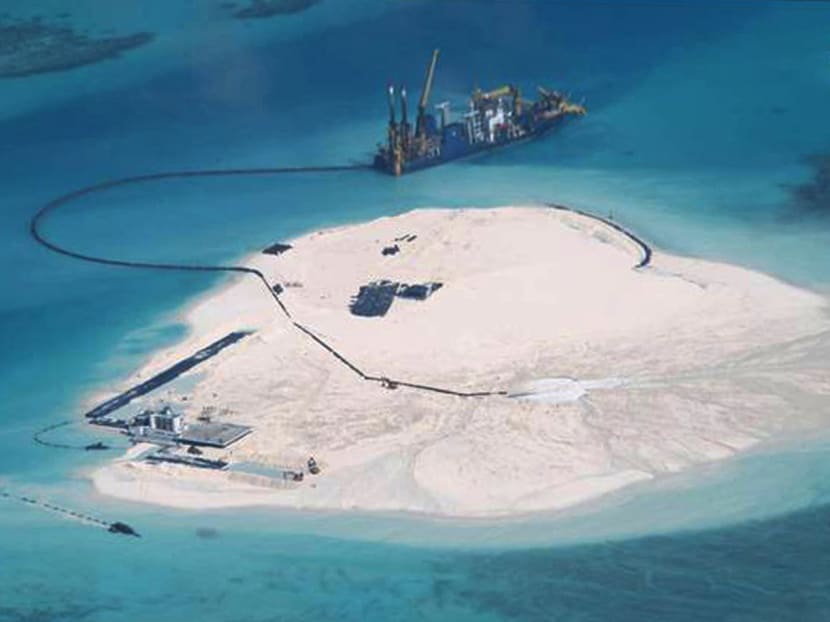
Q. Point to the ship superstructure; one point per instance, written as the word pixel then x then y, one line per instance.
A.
pixel 494 119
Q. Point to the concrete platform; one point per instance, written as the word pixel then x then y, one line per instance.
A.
pixel 213 434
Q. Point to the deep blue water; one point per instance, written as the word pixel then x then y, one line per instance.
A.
pixel 701 115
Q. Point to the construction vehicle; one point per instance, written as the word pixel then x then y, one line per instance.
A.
pixel 494 119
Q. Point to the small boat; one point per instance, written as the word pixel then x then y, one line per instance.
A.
pixel 123 529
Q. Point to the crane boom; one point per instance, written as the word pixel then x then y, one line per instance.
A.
pixel 422 105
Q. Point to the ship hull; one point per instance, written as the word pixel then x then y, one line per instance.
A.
pixel 458 150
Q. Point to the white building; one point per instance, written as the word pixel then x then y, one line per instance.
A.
pixel 162 424
pixel 167 421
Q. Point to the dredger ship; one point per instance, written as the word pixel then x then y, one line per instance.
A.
pixel 495 119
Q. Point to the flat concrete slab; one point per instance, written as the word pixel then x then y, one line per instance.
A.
pixel 213 434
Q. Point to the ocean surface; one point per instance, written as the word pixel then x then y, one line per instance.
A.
pixel 702 118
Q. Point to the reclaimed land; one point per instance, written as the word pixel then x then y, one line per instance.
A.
pixel 591 368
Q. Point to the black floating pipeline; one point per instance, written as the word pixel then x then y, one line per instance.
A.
pixel 54 204
pixel 113 527
pixel 39 438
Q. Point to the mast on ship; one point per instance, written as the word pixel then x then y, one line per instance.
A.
pixel 405 133
pixel 393 127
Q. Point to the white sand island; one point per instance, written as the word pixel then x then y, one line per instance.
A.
pixel 613 374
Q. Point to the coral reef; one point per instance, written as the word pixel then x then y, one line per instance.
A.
pixel 259 9
pixel 32 46
pixel 813 196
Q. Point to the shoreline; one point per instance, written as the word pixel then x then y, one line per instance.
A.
pixel 622 514
pixel 111 484
pixel 199 318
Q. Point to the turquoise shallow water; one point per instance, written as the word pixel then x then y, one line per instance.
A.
pixel 701 116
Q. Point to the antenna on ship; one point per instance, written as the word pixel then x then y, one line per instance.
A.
pixel 393 127
pixel 444 108
pixel 391 105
